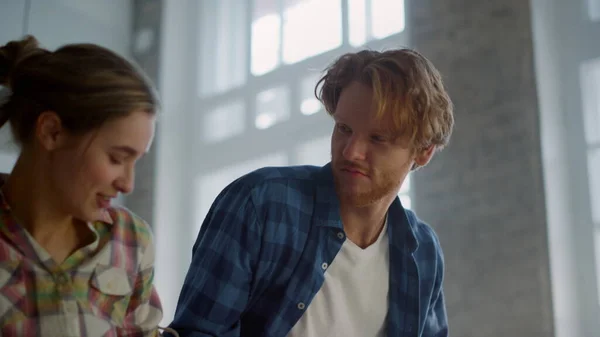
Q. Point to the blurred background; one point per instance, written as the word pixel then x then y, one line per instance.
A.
pixel 515 198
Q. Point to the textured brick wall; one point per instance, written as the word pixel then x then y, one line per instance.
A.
pixel 484 193
pixel 146 52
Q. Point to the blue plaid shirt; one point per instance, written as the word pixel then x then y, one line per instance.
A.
pixel 256 264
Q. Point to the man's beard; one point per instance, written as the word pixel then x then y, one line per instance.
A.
pixel 364 197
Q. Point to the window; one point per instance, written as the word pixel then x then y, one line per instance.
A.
pixel 258 65
pixel 224 122
pixel 302 40
pixel 363 26
pixel 390 18
pixel 272 106
pixel 281 35
pixel 266 36
pixel 309 104
pixel 221 50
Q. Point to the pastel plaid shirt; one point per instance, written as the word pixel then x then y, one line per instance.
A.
pixel 257 262
pixel 103 289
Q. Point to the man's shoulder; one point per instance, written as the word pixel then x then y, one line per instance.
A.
pixel 283 184
pixel 275 174
pixel 277 178
pixel 428 254
pixel 424 233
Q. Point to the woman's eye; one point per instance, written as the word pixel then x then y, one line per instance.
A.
pixel 343 128
pixel 115 160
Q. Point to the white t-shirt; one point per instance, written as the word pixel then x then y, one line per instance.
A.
pixel 353 301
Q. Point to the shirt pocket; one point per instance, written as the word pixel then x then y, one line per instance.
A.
pixel 110 291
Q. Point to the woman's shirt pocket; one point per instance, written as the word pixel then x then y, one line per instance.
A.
pixel 110 290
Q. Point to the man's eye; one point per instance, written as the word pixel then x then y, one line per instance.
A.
pixel 378 138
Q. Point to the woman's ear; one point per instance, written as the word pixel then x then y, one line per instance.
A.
pixel 49 130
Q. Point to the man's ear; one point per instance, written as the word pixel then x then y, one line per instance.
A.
pixel 49 130
pixel 423 156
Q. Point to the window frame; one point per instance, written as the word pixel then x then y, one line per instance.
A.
pixel 303 127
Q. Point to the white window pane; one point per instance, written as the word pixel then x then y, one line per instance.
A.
pixel 210 185
pixel 405 200
pixel 405 185
pixel 224 122
pixel 387 17
pixel 266 30
pixel 594 178
pixel 272 107
pixel 590 87
pixel 265 7
pixel 223 47
pixel 309 104
pixel 594 9
pixel 357 22
pixel 310 27
pixel 315 152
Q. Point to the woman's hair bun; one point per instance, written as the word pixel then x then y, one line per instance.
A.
pixel 13 53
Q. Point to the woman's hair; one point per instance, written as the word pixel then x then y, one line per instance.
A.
pixel 404 83
pixel 84 84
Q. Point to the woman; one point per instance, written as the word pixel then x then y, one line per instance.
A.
pixel 70 263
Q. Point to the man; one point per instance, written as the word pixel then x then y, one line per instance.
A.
pixel 315 252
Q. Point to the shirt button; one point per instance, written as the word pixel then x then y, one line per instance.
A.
pixel 61 279
pixel 64 289
pixel 301 306
pixel 324 265
pixel 340 235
